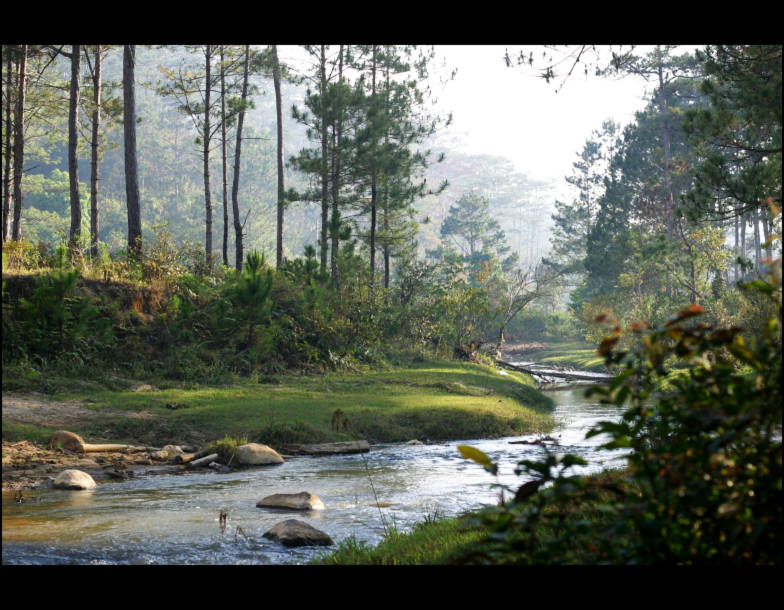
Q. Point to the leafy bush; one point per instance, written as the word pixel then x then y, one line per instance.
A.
pixel 704 479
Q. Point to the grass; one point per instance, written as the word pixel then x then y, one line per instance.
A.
pixel 577 355
pixel 426 401
pixel 435 541
pixel 467 540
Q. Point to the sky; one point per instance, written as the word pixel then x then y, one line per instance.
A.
pixel 510 112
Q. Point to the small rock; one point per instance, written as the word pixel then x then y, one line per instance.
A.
pixel 145 387
pixel 74 479
pixel 298 533
pixel 172 450
pixel 66 440
pixel 252 454
pixel 414 442
pixel 300 501
pixel 86 463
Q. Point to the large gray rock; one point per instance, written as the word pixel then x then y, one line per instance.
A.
pixel 255 453
pixel 301 501
pixel 298 533
pixel 74 479
pixel 66 440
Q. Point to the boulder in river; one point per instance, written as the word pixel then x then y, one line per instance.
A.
pixel 74 479
pixel 293 532
pixel 253 454
pixel 413 442
pixel 66 440
pixel 300 501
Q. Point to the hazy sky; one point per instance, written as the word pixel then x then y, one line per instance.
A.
pixel 510 112
pixel 513 113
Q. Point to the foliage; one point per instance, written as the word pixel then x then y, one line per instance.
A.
pixel 704 479
pixel 55 323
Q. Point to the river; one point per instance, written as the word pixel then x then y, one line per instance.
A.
pixel 174 519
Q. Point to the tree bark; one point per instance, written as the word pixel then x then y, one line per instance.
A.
pixel 766 233
pixel 336 147
pixel 94 154
pixel 131 166
pixel 737 248
pixel 386 194
pixel 373 189
pixel 281 185
pixel 668 204
pixel 757 243
pixel 73 141
pixel 223 161
pixel 324 174
pixel 16 231
pixel 236 181
pixel 206 155
pixel 9 86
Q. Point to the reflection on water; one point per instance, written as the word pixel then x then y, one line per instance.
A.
pixel 173 519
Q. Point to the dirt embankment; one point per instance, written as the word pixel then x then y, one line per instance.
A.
pixel 27 465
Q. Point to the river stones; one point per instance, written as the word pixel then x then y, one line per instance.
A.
pixel 300 501
pixel 254 453
pixel 66 440
pixel 168 452
pixel 74 479
pixel 293 532
pixel 330 448
pixel 413 442
pixel 86 463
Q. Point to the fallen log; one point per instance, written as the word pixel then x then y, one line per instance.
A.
pixel 582 376
pixel 97 448
pixel 329 448
pixel 202 461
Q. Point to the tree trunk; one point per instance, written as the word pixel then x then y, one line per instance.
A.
pixel 236 182
pixel 743 240
pixel 9 82
pixel 373 192
pixel 386 195
pixel 73 162
pixel 206 155
pixel 336 144
pixel 223 160
pixel 737 248
pixel 281 185
pixel 94 154
pixel 16 231
pixel 757 243
pixel 766 233
pixel 324 174
pixel 131 166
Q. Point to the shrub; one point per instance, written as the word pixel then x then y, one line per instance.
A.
pixel 704 479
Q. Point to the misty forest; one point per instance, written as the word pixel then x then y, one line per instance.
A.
pixel 260 306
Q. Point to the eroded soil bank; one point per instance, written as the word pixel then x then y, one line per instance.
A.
pixel 27 464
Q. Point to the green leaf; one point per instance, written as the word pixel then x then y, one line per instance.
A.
pixel 473 454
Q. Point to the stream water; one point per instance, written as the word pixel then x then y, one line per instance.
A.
pixel 174 519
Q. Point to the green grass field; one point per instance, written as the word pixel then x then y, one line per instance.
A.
pixel 426 401
pixel 581 356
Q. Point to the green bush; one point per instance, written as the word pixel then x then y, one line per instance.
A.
pixel 704 479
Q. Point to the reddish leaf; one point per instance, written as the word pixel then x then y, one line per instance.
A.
pixel 606 345
pixel 528 489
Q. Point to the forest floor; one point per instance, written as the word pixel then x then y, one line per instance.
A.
pixel 430 401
